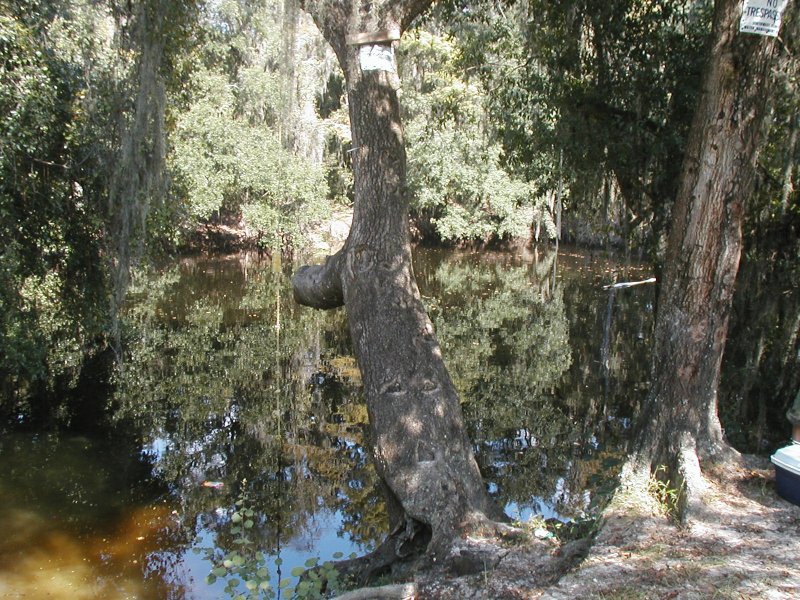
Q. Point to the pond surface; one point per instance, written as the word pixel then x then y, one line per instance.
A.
pixel 236 426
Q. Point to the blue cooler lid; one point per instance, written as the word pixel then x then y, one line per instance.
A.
pixel 788 458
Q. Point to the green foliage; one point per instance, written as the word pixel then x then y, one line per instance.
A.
pixel 79 146
pixel 460 191
pixel 317 580
pixel 596 94
pixel 667 496
pixel 245 567
pixel 240 146
pixel 51 286
pixel 226 162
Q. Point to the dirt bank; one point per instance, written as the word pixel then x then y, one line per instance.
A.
pixel 745 544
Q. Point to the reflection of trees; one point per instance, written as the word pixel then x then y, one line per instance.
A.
pixel 227 379
pixel 546 413
pixel 217 372
pixel 761 366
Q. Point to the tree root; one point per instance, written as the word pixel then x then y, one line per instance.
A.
pixel 410 550
pixel 402 552
pixel 400 591
pixel 673 480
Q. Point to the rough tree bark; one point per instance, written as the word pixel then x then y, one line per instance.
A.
pixel 679 422
pixel 420 446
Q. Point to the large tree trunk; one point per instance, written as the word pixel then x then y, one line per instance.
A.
pixel 679 424
pixel 421 449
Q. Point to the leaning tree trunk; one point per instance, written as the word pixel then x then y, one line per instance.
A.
pixel 680 425
pixel 421 449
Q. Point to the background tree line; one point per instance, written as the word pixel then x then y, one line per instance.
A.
pixel 129 126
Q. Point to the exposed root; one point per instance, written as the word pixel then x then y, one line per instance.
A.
pixel 401 591
pixel 742 544
pixel 673 478
pixel 401 553
pixel 478 546
pixel 693 485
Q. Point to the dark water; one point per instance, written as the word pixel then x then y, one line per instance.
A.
pixel 229 388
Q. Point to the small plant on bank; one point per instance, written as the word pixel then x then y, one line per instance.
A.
pixel 667 496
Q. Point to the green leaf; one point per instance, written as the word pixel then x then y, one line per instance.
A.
pixel 278 561
pixel 219 571
pixel 211 579
pixel 338 555
pixel 297 571
pixel 248 524
pixel 311 563
pixel 284 583
pixel 251 584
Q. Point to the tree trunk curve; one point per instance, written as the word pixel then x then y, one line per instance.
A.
pixel 421 450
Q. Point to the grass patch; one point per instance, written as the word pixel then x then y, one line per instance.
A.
pixel 667 495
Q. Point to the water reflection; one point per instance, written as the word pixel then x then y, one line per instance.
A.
pixel 231 381
pixel 229 386
pixel 550 366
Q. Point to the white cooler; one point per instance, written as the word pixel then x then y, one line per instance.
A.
pixel 787 473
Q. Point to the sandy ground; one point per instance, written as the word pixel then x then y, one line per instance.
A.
pixel 744 544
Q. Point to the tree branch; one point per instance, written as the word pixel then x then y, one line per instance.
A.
pixel 406 11
pixel 402 591
pixel 320 286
